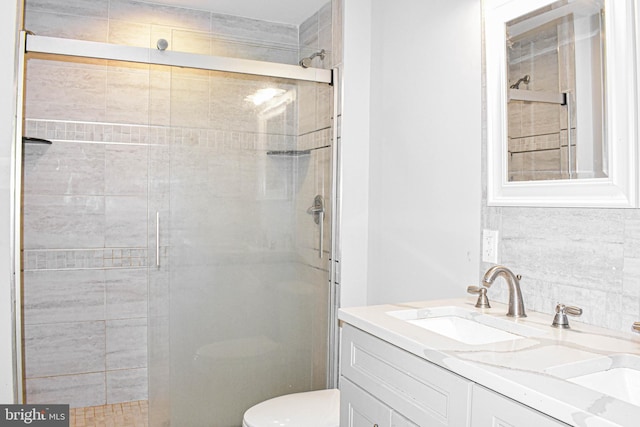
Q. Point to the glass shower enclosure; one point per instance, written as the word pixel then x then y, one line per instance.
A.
pixel 212 195
pixel 239 295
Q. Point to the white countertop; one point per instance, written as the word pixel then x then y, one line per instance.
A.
pixel 529 370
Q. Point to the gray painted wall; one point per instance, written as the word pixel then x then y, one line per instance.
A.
pixel 424 178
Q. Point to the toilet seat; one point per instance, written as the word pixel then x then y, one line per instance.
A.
pixel 311 409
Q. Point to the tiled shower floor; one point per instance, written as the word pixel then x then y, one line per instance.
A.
pixel 129 414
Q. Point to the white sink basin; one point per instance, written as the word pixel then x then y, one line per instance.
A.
pixel 469 327
pixel 616 375
pixel 621 383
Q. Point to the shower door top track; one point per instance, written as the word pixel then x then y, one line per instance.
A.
pixel 98 50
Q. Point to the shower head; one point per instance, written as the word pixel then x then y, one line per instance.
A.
pixel 306 62
pixel 524 79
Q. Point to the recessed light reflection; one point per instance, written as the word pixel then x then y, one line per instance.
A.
pixel 263 95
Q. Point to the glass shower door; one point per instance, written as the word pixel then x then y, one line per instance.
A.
pixel 240 289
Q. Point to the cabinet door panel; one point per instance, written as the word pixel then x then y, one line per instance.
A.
pixel 398 420
pixel 426 393
pixel 490 409
pixel 359 409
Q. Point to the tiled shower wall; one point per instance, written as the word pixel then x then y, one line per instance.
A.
pixel 85 257
pixel 86 196
pixel 315 34
pixel 138 23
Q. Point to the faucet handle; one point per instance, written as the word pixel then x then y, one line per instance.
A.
pixel 636 326
pixel 483 301
pixel 560 320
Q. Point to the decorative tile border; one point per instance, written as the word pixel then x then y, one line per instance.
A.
pixel 82 259
pixel 224 140
pixel 316 139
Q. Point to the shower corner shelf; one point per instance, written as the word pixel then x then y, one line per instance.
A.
pixel 31 140
pixel 288 153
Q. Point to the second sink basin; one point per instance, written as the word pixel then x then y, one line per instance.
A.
pixel 616 375
pixel 621 383
pixel 469 327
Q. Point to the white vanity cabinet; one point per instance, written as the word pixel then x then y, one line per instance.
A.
pixel 490 409
pixel 397 372
pixel 382 385
pixel 385 385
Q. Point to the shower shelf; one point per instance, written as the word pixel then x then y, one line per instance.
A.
pixel 288 153
pixel 30 140
pixel 537 96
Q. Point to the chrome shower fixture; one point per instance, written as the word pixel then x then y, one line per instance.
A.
pixel 306 62
pixel 524 79
pixel 162 44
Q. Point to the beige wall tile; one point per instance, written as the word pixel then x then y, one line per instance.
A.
pixel 130 34
pixel 64 222
pixel 67 26
pixel 76 390
pixel 126 344
pixel 64 348
pixel 148 13
pixel 63 296
pixel 126 386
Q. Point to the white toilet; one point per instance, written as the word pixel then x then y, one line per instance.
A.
pixel 311 409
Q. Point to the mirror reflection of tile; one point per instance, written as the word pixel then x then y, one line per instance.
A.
pixel 556 50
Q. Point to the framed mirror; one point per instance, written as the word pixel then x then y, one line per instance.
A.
pixel 561 103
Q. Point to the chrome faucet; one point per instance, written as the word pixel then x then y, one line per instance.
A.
pixel 560 320
pixel 635 327
pixel 516 305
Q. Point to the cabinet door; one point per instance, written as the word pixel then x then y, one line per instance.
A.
pixel 428 394
pixel 398 420
pixel 490 409
pixel 359 409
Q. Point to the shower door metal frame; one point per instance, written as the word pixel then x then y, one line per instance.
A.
pixel 30 43
pixel 99 50
pixel 16 187
pixel 334 257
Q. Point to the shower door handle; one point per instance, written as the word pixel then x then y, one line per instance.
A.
pixel 157 239
pixel 321 231
pixel 317 210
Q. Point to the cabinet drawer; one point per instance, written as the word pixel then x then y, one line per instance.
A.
pixel 359 409
pixel 425 393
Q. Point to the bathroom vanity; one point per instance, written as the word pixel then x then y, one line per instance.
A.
pixel 447 363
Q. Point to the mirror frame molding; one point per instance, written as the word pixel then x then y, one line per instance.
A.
pixel 620 188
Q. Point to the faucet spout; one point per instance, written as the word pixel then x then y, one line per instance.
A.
pixel 516 305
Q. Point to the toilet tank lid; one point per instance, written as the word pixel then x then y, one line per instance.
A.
pixel 311 409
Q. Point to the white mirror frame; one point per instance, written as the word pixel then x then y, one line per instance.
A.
pixel 620 189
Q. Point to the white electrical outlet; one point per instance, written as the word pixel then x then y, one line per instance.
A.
pixel 490 246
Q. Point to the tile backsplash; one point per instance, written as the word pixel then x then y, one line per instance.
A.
pixel 589 258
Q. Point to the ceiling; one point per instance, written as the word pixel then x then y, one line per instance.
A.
pixel 283 11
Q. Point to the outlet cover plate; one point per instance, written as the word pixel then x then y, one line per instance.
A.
pixel 490 246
